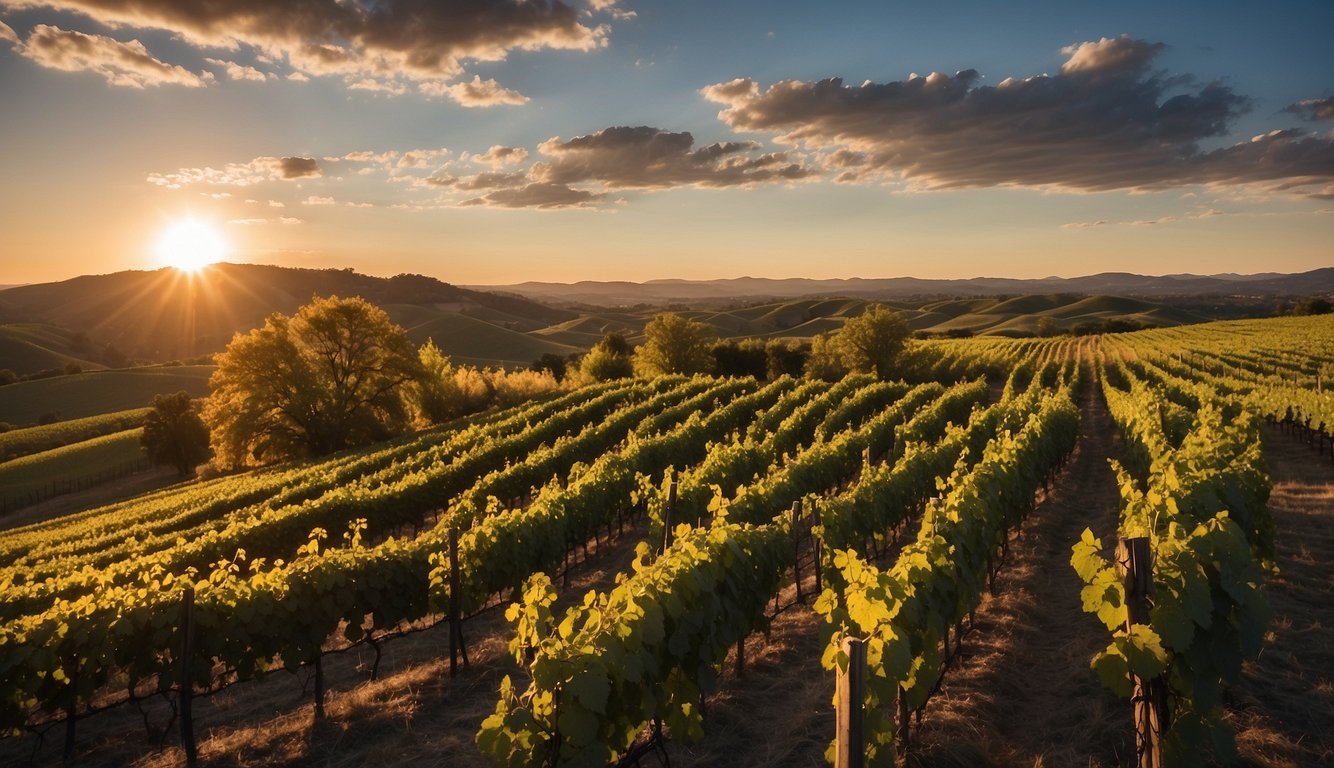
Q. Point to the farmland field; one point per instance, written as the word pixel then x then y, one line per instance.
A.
pixel 659 540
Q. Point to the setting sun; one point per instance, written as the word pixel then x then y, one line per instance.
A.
pixel 190 245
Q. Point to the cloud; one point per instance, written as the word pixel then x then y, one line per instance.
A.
pixel 488 180
pixel 416 158
pixel 126 64
pixel 236 71
pixel 1109 55
pixel 7 33
pixel 377 86
pixel 411 40
pixel 299 167
pixel 298 77
pixel 544 195
pixel 498 156
pixel 610 6
pixel 317 200
pixel 1207 213
pixel 476 93
pixel 650 158
pixel 1105 122
pixel 256 222
pixel 1313 109
pixel 259 170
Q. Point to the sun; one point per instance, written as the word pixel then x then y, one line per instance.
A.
pixel 190 245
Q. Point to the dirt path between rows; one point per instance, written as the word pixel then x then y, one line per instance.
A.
pixel 1284 708
pixel 1023 693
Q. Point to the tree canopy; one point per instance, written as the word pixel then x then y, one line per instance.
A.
pixel 174 433
pixel 331 377
pixel 673 344
pixel 871 342
pixel 608 359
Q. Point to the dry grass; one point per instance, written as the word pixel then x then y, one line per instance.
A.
pixel 1284 709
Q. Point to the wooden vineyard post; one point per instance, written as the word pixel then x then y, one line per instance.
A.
pixel 849 741
pixel 457 648
pixel 187 683
pixel 667 517
pixel 796 546
pixel 319 686
pixel 72 710
pixel 1134 562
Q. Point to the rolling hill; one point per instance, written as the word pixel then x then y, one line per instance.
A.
pixel 97 392
pixel 166 314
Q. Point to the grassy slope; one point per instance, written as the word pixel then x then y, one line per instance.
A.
pixel 89 394
pixel 70 463
pixel 472 340
pixel 31 347
pixel 22 442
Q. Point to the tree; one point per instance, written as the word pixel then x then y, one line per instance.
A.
pixel 608 359
pixel 673 344
pixel 744 358
pixel 332 377
pixel 786 357
pixel 1047 327
pixel 551 363
pixel 174 433
pixel 872 341
pixel 433 396
pixel 826 359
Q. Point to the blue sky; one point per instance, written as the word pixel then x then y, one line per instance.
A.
pixel 1132 154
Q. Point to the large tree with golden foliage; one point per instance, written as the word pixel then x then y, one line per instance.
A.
pixel 331 377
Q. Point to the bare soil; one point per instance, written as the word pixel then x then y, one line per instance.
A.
pixel 1284 709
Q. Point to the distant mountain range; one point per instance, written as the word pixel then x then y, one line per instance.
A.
pixel 663 292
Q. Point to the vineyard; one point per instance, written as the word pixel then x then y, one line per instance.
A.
pixel 593 573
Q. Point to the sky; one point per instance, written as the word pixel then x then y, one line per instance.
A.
pixel 501 141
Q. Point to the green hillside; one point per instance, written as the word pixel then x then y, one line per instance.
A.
pixel 89 394
pixel 31 347
pixel 472 340
pixel 71 466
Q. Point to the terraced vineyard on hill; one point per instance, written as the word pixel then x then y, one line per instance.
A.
pixel 891 508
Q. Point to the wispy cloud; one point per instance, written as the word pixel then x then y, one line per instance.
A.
pixel 259 170
pixel 1313 109
pixel 1105 122
pixel 126 64
pixel 235 71
pixel 543 195
pixel 476 93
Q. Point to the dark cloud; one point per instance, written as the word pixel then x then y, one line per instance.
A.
pixel 539 195
pixel 413 39
pixel 127 64
pixel 650 158
pixel 1105 122
pixel 299 167
pixel 1313 109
